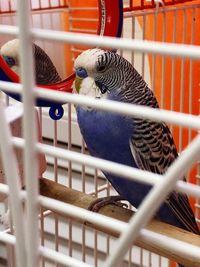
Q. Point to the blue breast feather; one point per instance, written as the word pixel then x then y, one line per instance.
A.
pixel 107 136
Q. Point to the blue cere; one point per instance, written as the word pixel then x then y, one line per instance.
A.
pixel 81 73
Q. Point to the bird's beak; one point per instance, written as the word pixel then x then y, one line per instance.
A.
pixel 77 84
pixel 81 73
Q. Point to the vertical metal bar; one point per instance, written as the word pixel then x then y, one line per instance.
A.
pixel 198 182
pixel 30 4
pixel 12 18
pixel 69 145
pixel 173 65
pixel 191 82
pixel 141 257
pixel 83 166
pixel 182 83
pixel 95 248
pixel 40 6
pixel 83 243
pixel 49 3
pixel 130 257
pixel 70 174
pixel 40 117
pixel 42 233
pixel 150 259
pixel 95 232
pixel 131 4
pixel 13 181
pixel 163 60
pixel 121 50
pixel 70 28
pixel 83 190
pixel 143 37
pixel 108 238
pixel 142 4
pixel 30 156
pixel 191 70
pixel 56 235
pixel 9 6
pixel 9 248
pixel 96 182
pixel 42 237
pixel 10 256
pixel 70 238
pixel 107 245
pixel 7 100
pixel 13 261
pixel 55 142
pixel 133 37
pixel 197 211
pixel 55 163
pixel 154 56
pixel 159 261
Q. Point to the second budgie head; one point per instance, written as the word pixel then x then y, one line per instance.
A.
pixel 45 71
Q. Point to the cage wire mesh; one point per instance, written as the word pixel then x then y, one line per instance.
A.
pixel 175 82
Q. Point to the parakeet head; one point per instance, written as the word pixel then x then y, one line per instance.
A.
pixel 100 72
pixel 10 53
pixel 45 71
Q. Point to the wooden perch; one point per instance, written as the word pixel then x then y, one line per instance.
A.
pixel 60 192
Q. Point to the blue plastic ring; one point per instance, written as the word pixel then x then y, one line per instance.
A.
pixel 56 112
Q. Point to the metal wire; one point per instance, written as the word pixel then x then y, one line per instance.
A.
pixel 13 181
pixel 30 162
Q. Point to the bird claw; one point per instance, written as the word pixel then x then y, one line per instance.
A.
pixel 103 201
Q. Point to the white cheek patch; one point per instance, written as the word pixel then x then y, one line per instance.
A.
pixel 89 88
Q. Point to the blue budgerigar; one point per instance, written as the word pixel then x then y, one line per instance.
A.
pixel 135 142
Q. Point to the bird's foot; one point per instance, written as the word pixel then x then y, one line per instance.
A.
pixel 103 201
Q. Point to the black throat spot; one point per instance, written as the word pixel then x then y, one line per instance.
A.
pixel 103 88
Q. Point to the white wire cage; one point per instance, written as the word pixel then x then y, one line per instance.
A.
pixel 61 237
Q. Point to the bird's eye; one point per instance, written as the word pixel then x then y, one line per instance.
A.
pixel 9 60
pixel 101 68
